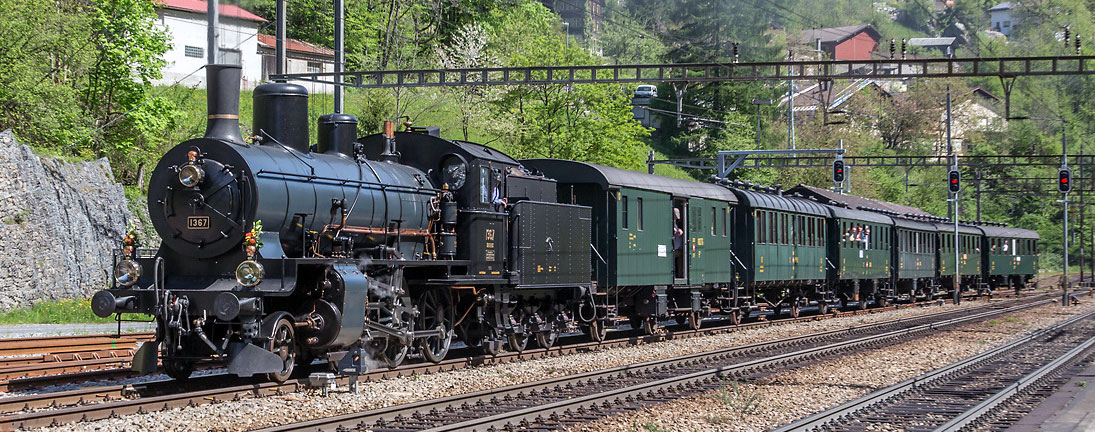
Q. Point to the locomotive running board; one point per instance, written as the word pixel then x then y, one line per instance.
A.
pixel 247 359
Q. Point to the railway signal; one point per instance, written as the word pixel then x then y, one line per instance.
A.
pixel 1064 180
pixel 954 181
pixel 838 171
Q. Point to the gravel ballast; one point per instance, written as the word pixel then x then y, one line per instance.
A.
pixel 781 398
pixel 263 412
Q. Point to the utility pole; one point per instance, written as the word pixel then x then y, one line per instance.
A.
pixel 950 148
pixel 791 104
pixel 211 31
pixel 340 52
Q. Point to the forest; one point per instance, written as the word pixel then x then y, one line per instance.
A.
pixel 78 85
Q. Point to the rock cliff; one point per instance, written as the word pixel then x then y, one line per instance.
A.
pixel 59 223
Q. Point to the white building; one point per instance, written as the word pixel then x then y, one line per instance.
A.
pixel 300 57
pixel 1001 19
pixel 185 22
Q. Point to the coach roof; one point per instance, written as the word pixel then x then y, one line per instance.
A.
pixel 779 202
pixel 566 171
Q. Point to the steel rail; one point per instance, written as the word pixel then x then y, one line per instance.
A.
pixel 532 414
pixel 94 403
pixel 825 419
pixel 107 394
pixel 973 415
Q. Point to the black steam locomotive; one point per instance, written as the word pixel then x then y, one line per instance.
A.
pixel 276 252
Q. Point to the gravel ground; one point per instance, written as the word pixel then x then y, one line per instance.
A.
pixel 230 415
pixel 782 398
pixel 40 330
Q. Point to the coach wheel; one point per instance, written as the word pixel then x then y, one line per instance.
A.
pixel 650 325
pixel 822 308
pixel 547 339
pixel 694 320
pixel 596 330
pixel 281 343
pixel 517 342
pixel 862 303
pixel 795 310
pixel 434 316
pixel 735 316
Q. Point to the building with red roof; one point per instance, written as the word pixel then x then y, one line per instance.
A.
pixel 300 57
pixel 185 23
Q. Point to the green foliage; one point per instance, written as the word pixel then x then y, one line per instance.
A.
pixel 71 311
pixel 74 69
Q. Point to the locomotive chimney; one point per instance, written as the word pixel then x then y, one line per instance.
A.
pixel 222 83
pixel 390 153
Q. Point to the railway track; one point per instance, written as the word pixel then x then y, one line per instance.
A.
pixel 557 403
pixel 37 410
pixel 971 393
pixel 36 362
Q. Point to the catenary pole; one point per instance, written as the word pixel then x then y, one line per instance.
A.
pixel 340 52
pixel 211 31
pixel 279 48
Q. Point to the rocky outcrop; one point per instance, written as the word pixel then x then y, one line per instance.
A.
pixel 59 223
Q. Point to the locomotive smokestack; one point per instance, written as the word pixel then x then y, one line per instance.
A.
pixel 222 83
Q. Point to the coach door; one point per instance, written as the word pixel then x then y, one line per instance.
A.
pixel 681 240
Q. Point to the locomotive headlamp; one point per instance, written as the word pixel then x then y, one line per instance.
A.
pixel 190 175
pixel 127 272
pixel 249 273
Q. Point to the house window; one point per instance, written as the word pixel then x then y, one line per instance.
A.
pixel 193 51
pixel 230 56
pixel 315 67
pixel 1007 24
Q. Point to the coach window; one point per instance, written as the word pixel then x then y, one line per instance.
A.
pixel 725 227
pixel 773 238
pixel 714 225
pixel 623 212
pixel 762 227
pixel 639 203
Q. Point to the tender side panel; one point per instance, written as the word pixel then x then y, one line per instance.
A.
pixel 551 243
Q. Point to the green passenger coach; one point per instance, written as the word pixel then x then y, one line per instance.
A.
pixel 916 243
pixel 1011 256
pixel 859 243
pixel 779 251
pixel 658 242
pixel 969 256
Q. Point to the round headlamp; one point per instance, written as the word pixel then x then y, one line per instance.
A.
pixel 127 272
pixel 190 175
pixel 249 273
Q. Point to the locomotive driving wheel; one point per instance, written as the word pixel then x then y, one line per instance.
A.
pixel 434 316
pixel 391 312
pixel 282 344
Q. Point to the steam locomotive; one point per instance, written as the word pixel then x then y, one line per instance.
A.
pixel 276 252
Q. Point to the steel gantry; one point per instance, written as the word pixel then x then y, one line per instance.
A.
pixel 1003 67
